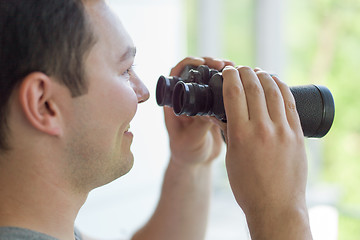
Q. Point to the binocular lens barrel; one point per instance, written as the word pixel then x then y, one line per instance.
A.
pixel 316 109
pixel 164 90
pixel 192 99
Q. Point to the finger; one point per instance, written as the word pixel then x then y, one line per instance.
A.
pixel 273 97
pixel 176 71
pixel 217 136
pixel 170 120
pixel 290 105
pixel 234 100
pixel 254 93
pixel 214 63
pixel 175 122
pixel 196 128
pixel 219 123
pixel 257 69
pixel 201 124
pixel 222 126
pixel 229 63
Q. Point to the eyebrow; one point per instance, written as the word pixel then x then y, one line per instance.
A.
pixel 130 53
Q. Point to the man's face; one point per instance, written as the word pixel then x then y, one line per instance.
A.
pixel 99 149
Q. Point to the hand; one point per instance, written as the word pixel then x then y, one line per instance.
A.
pixel 193 140
pixel 265 160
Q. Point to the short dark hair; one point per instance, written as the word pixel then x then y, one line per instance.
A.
pixel 49 36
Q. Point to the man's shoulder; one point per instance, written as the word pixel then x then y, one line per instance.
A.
pixel 15 233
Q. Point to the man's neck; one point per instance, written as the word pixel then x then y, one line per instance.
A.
pixel 37 200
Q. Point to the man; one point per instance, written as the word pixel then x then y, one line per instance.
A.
pixel 68 94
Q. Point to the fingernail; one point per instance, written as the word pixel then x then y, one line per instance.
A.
pixel 228 67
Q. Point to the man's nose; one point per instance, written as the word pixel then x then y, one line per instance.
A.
pixel 140 89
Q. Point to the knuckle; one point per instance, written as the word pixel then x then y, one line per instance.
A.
pixel 294 138
pixel 254 88
pixel 187 59
pixel 273 93
pixel 291 106
pixel 289 136
pixel 281 83
pixel 284 134
pixel 262 74
pixel 229 71
pixel 229 63
pixel 264 132
pixel 263 128
pixel 233 91
pixel 237 138
pixel 244 69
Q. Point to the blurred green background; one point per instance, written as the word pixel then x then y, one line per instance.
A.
pixel 323 47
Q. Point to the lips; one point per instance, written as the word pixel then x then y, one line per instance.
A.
pixel 127 132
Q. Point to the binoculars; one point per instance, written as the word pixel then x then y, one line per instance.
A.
pixel 198 91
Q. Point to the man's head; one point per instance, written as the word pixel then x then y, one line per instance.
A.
pixel 71 112
pixel 48 36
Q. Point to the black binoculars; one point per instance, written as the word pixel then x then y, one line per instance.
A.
pixel 198 91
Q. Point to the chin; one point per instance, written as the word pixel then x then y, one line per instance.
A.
pixel 125 165
pixel 117 171
pixel 130 163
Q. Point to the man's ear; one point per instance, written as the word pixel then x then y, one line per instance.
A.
pixel 36 95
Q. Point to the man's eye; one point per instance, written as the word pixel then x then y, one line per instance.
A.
pixel 128 71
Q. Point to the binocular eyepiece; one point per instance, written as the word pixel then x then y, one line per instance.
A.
pixel 198 91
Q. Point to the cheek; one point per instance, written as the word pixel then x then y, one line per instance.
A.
pixel 124 103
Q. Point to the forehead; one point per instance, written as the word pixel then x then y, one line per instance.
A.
pixel 107 27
